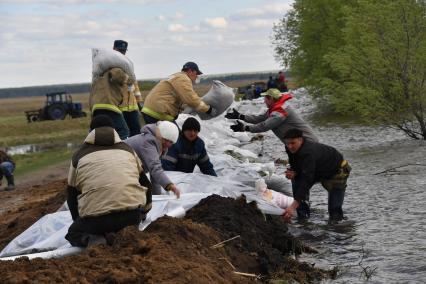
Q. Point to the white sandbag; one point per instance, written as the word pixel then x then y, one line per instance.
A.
pixel 276 198
pixel 219 97
pixel 104 59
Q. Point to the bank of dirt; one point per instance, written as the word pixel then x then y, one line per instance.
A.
pixel 169 251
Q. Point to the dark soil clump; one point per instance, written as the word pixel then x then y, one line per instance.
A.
pixel 263 246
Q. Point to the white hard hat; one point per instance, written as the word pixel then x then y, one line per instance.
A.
pixel 168 130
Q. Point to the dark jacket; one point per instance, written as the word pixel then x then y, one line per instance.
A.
pixel 312 163
pixel 5 158
pixel 185 155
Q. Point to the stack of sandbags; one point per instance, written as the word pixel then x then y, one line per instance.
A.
pixel 219 97
pixel 105 59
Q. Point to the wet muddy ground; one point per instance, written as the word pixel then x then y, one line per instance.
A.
pixel 169 251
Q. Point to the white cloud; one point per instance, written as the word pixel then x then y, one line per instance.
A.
pixel 218 22
pixel 268 10
pixel 177 28
pixel 53 46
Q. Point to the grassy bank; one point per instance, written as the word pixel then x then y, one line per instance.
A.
pixel 29 162
pixel 15 130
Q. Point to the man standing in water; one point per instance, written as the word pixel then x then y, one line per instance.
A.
pixel 313 162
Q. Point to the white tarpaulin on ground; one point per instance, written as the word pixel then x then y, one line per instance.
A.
pixel 237 171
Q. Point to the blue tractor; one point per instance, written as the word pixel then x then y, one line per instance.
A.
pixel 58 105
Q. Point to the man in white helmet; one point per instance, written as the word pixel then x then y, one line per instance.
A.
pixel 150 145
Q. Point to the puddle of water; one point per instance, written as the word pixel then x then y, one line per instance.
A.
pixel 36 148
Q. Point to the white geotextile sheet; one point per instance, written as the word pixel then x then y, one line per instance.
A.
pixel 45 238
pixel 236 177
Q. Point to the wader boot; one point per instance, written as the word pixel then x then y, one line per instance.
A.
pixel 10 182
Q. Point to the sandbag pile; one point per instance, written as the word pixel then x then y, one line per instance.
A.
pixel 105 59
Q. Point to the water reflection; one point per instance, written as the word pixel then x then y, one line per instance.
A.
pixel 36 148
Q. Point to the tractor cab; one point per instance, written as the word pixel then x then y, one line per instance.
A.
pixel 58 105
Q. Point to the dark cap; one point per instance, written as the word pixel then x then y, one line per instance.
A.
pixel 191 124
pixel 101 121
pixel 193 66
pixel 120 44
pixel 293 133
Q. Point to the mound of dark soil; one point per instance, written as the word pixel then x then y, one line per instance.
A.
pixel 263 245
pixel 169 251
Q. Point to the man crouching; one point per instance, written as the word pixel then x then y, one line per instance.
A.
pixel 105 192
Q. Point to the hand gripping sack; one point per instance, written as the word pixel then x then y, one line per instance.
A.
pixel 219 97
pixel 105 59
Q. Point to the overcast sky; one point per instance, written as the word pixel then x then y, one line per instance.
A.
pixel 49 42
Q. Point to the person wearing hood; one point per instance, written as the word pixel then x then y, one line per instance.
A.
pixel 150 145
pixel 280 117
pixel 167 99
pixel 189 151
pixel 105 189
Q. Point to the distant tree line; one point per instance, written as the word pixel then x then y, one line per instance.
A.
pixel 363 57
pixel 144 84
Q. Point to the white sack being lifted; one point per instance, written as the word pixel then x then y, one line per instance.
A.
pixel 104 59
pixel 219 97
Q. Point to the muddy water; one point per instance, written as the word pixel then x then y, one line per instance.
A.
pixel 384 237
pixel 387 239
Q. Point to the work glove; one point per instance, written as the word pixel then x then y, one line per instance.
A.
pixel 239 127
pixel 234 114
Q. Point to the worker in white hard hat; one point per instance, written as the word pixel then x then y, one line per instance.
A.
pixel 150 145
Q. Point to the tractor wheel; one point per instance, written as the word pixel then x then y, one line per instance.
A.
pixel 56 112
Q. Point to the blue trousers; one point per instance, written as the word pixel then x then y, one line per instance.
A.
pixel 120 124
pixel 149 119
pixel 133 122
pixel 7 169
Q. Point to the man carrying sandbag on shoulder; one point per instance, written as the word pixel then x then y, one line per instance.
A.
pixel 166 100
pixel 112 75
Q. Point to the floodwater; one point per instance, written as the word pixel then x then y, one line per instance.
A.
pixel 36 148
pixel 383 239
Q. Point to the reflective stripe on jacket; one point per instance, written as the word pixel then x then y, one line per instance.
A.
pixel 131 98
pixel 108 90
pixel 184 155
pixel 168 97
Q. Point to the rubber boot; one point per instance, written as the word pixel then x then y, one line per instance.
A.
pixel 10 183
